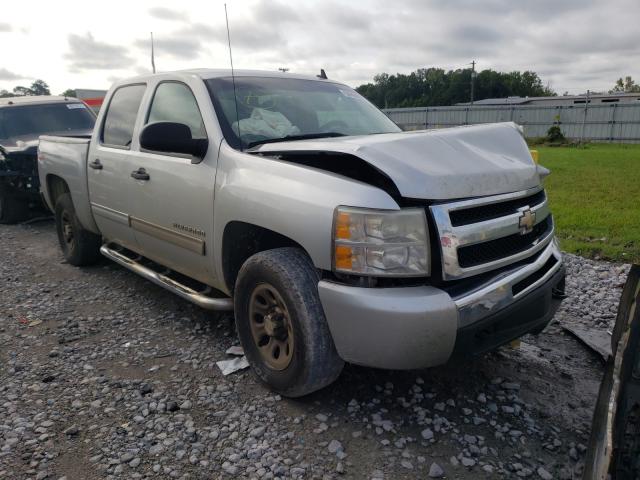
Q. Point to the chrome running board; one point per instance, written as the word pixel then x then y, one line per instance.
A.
pixel 200 298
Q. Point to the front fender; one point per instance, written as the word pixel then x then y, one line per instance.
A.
pixel 293 200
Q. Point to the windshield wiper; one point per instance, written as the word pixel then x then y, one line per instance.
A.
pixel 306 136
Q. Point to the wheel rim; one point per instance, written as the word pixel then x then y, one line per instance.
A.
pixel 271 327
pixel 68 234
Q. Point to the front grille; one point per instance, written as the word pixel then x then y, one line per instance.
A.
pixel 493 250
pixel 483 234
pixel 534 277
pixel 482 213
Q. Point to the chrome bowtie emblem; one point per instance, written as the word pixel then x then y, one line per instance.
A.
pixel 526 221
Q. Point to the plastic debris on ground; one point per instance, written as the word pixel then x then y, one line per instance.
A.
pixel 597 340
pixel 228 367
pixel 235 350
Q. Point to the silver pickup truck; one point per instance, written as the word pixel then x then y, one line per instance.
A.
pixel 332 234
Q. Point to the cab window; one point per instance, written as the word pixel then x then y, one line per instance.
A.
pixel 174 102
pixel 121 115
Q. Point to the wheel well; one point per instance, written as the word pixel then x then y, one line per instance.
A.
pixel 242 240
pixel 56 187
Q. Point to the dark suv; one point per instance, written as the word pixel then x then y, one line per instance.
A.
pixel 22 121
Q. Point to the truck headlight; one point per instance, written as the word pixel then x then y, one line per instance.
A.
pixel 381 242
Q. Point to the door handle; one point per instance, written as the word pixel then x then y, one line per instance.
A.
pixel 96 165
pixel 140 174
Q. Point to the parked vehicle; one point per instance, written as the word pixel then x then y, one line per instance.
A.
pixel 22 121
pixel 333 235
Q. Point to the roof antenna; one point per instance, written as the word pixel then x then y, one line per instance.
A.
pixel 322 74
pixel 153 60
pixel 233 77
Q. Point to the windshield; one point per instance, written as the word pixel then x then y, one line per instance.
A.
pixel 276 109
pixel 28 122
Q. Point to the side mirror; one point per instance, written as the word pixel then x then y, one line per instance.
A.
pixel 171 137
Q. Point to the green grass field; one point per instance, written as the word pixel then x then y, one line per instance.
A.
pixel 594 193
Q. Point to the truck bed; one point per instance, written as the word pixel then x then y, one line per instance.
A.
pixel 66 158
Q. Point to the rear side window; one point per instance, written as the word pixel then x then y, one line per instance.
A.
pixel 121 115
pixel 174 102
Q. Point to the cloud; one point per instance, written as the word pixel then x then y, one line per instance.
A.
pixel 143 70
pixel 501 8
pixel 574 44
pixel 200 30
pixel 555 39
pixel 258 36
pixel 346 17
pixel 186 43
pixel 86 53
pixel 174 45
pixel 167 14
pixel 7 75
pixel 477 33
pixel 254 34
pixel 113 78
pixel 276 12
pixel 189 41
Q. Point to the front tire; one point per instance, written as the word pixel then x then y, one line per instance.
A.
pixel 281 323
pixel 79 246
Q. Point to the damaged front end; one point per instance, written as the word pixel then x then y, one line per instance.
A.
pixel 19 182
pixel 345 164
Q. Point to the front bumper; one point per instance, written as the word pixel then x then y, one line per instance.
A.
pixel 418 327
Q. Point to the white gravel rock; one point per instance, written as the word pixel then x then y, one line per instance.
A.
pixel 435 471
pixel 427 434
pixel 334 446
pixel 544 474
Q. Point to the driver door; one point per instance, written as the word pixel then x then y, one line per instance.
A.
pixel 172 201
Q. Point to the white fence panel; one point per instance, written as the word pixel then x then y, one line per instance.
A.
pixel 613 122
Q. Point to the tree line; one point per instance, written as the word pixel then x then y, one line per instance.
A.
pixel 38 87
pixel 628 85
pixel 428 87
pixel 436 87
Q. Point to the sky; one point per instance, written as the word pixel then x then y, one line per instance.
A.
pixel 574 45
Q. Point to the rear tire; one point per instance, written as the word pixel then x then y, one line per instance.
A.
pixel 281 323
pixel 12 209
pixel 79 246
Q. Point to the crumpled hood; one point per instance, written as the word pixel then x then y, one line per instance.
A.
pixel 443 164
pixel 26 150
pixel 21 146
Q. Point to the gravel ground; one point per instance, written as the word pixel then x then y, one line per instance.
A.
pixel 594 289
pixel 104 375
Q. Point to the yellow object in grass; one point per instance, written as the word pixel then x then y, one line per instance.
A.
pixel 534 155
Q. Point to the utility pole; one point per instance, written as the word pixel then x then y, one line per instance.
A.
pixel 153 60
pixel 584 119
pixel 473 77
